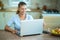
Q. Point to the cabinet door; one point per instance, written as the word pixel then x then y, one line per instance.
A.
pixel 2 20
pixel 58 5
pixel 51 20
pixel 35 15
pixel 8 16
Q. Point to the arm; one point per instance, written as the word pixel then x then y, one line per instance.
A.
pixel 7 28
pixel 8 25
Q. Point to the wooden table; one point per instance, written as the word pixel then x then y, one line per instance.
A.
pixel 4 35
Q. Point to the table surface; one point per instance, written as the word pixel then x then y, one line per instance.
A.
pixel 4 35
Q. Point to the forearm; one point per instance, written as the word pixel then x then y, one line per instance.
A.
pixel 7 28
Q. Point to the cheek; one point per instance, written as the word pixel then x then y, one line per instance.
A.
pixel 22 10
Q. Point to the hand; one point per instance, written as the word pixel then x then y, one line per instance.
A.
pixel 14 31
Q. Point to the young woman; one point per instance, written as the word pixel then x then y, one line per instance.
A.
pixel 21 15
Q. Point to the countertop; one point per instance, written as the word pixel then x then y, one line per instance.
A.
pixel 4 35
pixel 15 9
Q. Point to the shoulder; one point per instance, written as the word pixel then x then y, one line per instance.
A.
pixel 14 17
pixel 29 16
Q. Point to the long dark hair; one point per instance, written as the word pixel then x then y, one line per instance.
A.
pixel 20 4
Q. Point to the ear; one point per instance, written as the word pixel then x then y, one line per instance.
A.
pixel 18 9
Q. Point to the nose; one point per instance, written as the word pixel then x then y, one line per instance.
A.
pixel 24 10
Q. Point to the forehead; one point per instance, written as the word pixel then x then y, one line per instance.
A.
pixel 23 6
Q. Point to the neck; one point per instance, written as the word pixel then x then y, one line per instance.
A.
pixel 21 15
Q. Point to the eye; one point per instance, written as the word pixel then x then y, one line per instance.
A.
pixel 23 8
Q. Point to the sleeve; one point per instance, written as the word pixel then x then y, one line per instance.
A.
pixel 10 22
pixel 30 17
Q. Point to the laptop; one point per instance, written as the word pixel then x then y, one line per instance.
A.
pixel 30 27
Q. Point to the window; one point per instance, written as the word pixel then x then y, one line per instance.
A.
pixel 14 3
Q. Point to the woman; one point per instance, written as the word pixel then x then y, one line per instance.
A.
pixel 21 15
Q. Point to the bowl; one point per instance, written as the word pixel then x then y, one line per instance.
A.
pixel 55 31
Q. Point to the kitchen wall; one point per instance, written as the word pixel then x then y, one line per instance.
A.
pixel 49 3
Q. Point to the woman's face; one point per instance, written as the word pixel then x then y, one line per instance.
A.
pixel 22 9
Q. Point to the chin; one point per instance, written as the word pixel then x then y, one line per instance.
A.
pixel 23 13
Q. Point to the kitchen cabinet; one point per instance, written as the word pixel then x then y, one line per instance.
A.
pixel 2 20
pixel 51 20
pixel 58 5
pixel 35 15
pixel 8 15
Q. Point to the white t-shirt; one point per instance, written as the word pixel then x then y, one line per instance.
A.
pixel 16 21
